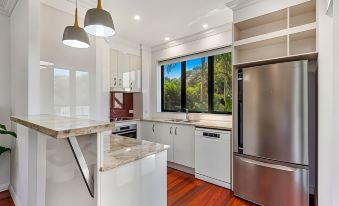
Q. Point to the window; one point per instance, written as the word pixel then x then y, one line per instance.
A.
pixel 197 85
pixel 222 84
pixel 171 75
pixel 201 84
pixel 71 93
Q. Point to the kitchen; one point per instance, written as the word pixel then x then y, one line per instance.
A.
pixel 226 103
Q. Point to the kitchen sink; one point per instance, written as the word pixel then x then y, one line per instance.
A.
pixel 181 120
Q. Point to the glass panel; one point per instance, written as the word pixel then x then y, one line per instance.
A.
pixel 62 92
pixel 197 85
pixel 82 94
pixel 172 87
pixel 222 97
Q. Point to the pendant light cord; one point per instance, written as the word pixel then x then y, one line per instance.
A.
pixel 76 23
pixel 99 5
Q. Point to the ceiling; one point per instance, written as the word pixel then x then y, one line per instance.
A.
pixel 159 18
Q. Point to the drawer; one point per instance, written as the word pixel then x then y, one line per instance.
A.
pixel 270 184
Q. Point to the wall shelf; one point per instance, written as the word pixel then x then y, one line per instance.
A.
pixel 268 23
pixel 301 14
pixel 290 31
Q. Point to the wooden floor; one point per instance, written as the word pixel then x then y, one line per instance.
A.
pixel 5 199
pixel 184 190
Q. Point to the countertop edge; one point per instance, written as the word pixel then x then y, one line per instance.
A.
pixel 196 124
pixel 108 168
pixel 63 133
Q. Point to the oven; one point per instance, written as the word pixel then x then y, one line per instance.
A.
pixel 126 130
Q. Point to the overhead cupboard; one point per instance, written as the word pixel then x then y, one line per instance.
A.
pixel 125 71
pixel 283 33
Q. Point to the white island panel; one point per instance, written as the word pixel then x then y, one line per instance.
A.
pixel 139 183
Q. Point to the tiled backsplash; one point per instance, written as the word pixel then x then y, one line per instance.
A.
pixel 121 105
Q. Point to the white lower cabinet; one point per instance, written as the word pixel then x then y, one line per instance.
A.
pixel 147 131
pixel 180 138
pixel 183 145
pixel 164 136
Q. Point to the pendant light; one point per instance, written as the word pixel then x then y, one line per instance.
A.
pixel 98 22
pixel 75 36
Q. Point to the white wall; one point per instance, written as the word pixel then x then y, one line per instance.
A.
pixel 53 23
pixel 25 99
pixel 335 139
pixel 5 100
pixel 212 39
pixel 328 166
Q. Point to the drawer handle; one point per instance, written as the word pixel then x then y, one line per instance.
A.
pixel 263 164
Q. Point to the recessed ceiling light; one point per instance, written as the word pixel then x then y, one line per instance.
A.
pixel 137 17
pixel 167 38
pixel 205 26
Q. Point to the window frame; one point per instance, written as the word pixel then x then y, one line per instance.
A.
pixel 210 89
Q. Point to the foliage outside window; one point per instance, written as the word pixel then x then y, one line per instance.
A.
pixel 200 85
pixel 172 87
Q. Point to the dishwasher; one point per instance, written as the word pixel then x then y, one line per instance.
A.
pixel 213 156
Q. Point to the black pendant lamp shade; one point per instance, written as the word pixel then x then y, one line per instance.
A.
pixel 75 36
pixel 98 22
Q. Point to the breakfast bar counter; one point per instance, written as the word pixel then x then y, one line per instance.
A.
pixel 79 162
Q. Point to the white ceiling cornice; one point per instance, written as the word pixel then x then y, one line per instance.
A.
pixel 194 37
pixel 240 4
pixel 7 6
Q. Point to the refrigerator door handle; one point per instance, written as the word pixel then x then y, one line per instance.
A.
pixel 263 164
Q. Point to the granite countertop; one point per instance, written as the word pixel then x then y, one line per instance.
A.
pixel 121 150
pixel 221 125
pixel 62 127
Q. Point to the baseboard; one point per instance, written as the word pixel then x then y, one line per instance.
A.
pixel 181 167
pixel 4 187
pixel 213 181
pixel 14 196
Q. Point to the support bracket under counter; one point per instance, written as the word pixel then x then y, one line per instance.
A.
pixel 80 159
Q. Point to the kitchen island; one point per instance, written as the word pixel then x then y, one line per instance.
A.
pixel 78 162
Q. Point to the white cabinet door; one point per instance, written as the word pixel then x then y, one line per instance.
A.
pixel 113 68
pixel 183 144
pixel 135 73
pixel 148 131
pixel 123 70
pixel 164 135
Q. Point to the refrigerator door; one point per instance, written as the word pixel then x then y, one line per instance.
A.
pixel 270 184
pixel 275 112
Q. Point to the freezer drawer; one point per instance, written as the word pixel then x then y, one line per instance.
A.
pixel 270 184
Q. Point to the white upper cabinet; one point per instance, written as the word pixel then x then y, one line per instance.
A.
pixel 113 68
pixel 125 72
pixel 135 73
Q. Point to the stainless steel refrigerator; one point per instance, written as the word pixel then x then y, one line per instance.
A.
pixel 274 109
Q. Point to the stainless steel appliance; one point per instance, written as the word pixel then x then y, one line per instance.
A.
pixel 126 129
pixel 273 106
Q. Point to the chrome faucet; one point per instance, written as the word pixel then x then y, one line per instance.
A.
pixel 187 115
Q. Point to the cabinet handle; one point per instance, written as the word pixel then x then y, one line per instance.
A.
pixel 119 82
pixel 153 128
pixel 171 130
pixel 131 85
pixel 115 82
pixel 175 131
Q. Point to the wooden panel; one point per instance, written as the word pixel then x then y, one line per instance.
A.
pixel 5 199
